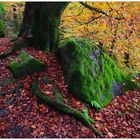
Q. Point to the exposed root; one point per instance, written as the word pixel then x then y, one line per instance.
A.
pixel 18 45
pixel 14 90
pixel 7 81
pixel 3 56
pixel 62 107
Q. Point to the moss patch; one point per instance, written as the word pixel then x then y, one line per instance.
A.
pixel 90 73
pixel 45 26
pixel 25 64
pixel 2 25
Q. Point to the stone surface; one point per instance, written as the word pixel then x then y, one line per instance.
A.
pixel 25 64
pixel 89 72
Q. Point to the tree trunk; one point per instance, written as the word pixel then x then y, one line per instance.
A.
pixel 41 24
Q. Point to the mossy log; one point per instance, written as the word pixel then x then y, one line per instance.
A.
pixel 25 64
pixel 62 107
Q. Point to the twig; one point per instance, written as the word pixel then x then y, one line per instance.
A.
pixel 100 11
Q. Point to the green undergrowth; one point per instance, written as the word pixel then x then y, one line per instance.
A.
pixel 2 24
pixel 89 72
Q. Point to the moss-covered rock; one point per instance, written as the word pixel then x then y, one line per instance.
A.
pixel 25 64
pixel 90 73
pixel 2 24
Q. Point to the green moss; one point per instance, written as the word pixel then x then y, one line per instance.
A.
pixel 86 115
pixel 89 72
pixel 45 26
pixel 2 28
pixel 2 24
pixel 25 64
pixel 58 95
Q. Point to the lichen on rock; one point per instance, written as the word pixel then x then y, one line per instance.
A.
pixel 91 74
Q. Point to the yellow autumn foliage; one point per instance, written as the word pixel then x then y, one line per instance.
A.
pixel 119 36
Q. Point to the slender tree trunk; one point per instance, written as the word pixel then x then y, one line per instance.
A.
pixel 41 24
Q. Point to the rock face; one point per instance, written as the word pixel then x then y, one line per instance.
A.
pixel 89 72
pixel 25 64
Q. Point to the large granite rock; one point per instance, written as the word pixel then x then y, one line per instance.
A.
pixel 90 73
pixel 25 64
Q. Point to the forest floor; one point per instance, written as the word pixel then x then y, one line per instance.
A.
pixel 22 115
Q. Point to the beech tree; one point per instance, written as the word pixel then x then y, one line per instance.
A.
pixel 41 24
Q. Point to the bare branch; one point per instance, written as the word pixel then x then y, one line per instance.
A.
pixel 88 22
pixel 100 11
pixel 94 8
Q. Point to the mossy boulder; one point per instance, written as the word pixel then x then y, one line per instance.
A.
pixel 24 64
pixel 90 73
pixel 2 24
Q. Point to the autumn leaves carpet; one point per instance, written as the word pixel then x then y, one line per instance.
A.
pixel 22 115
